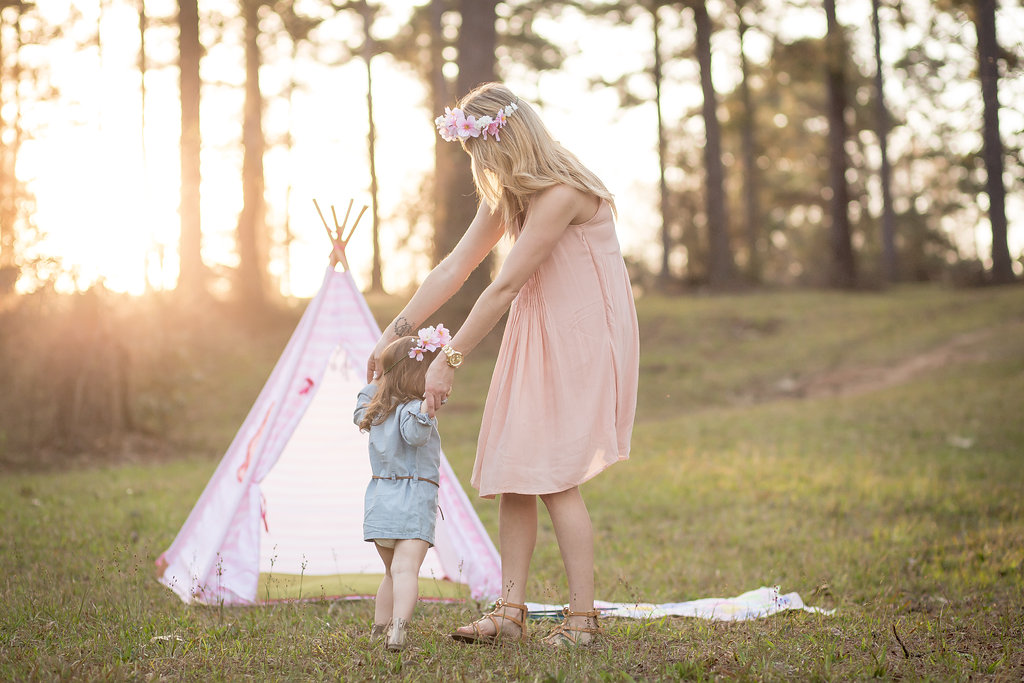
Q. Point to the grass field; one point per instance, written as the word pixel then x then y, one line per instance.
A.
pixel 866 451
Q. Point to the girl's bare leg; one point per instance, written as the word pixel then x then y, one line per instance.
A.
pixel 383 605
pixel 575 536
pixel 405 571
pixel 517 536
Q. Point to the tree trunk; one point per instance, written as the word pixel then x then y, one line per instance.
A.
pixel 988 69
pixel 890 266
pixel 843 272
pixel 657 74
pixel 476 45
pixel 251 221
pixel 750 179
pixel 12 190
pixel 190 277
pixel 143 160
pixel 441 96
pixel 8 182
pixel 721 270
pixel 376 278
pixel 289 237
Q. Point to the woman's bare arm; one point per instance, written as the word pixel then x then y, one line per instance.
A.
pixel 443 281
pixel 551 212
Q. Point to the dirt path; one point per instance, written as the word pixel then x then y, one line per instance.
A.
pixel 963 348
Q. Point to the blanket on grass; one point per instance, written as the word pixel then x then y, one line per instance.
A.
pixel 755 604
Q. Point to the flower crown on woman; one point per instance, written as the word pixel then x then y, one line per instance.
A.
pixel 454 125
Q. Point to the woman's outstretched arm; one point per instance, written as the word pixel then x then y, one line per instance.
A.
pixel 442 282
pixel 551 212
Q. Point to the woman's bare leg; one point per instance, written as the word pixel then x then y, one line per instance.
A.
pixel 517 536
pixel 575 536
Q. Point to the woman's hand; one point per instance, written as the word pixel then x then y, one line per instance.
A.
pixel 438 384
pixel 373 365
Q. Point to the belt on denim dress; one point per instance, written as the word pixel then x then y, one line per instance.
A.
pixel 429 481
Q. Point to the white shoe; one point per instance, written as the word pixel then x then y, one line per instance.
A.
pixel 396 635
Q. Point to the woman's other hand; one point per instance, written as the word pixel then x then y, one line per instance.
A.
pixel 438 384
pixel 373 366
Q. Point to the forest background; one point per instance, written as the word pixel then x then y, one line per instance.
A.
pixel 159 158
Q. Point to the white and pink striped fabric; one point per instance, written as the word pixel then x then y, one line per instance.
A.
pixel 287 498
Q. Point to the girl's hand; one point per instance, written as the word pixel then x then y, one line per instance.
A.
pixel 373 366
pixel 438 384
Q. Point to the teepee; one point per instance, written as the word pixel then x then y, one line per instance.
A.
pixel 287 498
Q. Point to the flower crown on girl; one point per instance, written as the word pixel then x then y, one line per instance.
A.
pixel 427 339
pixel 454 125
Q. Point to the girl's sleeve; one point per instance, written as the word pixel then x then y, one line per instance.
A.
pixel 415 426
pixel 362 400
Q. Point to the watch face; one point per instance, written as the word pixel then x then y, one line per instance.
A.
pixel 454 357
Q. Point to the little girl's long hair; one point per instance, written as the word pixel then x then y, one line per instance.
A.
pixel 526 160
pixel 403 379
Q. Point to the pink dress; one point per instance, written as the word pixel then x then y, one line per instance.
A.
pixel 562 400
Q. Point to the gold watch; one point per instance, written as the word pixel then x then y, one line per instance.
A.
pixel 454 357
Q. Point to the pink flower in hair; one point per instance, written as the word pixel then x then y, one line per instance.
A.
pixel 442 336
pixel 446 124
pixel 427 339
pixel 467 125
pixel 416 353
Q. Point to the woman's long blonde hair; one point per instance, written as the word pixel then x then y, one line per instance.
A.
pixel 508 172
pixel 403 379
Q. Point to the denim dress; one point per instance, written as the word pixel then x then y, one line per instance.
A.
pixel 405 456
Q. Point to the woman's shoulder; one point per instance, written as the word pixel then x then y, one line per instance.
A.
pixel 560 193
pixel 567 200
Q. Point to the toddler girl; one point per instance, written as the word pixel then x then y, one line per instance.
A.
pixel 405 456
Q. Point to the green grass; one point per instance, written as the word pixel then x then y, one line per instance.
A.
pixel 292 587
pixel 901 507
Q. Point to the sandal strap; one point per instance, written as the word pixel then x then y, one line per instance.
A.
pixel 500 604
pixel 498 619
pixel 569 634
pixel 566 625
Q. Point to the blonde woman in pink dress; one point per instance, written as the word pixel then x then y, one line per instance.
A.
pixel 561 403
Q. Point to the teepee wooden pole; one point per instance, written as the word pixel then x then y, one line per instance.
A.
pixel 354 224
pixel 347 212
pixel 324 220
pixel 337 236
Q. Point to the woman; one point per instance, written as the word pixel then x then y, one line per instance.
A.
pixel 561 403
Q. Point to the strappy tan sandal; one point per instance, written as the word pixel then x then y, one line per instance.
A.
pixel 498 621
pixel 567 635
